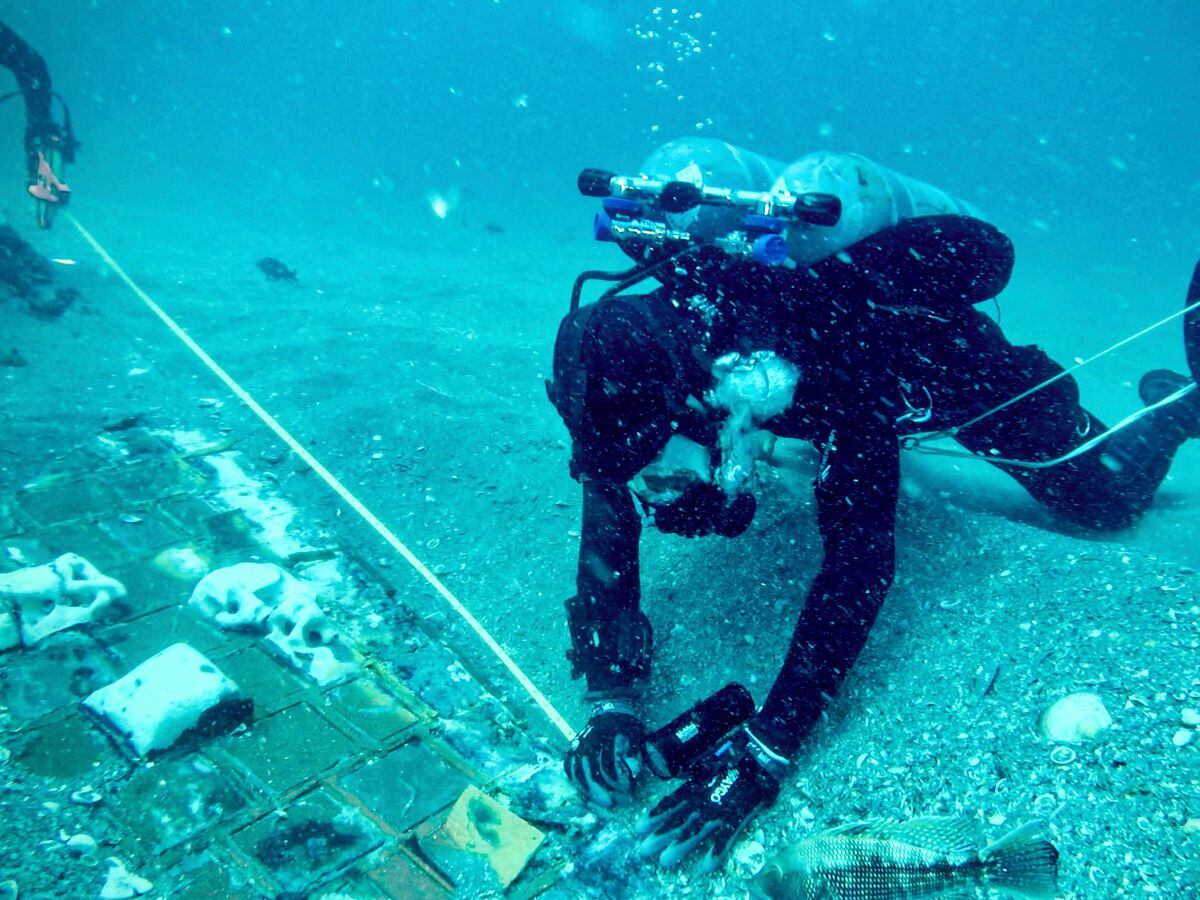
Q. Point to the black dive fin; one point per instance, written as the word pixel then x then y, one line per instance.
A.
pixel 1191 327
pixel 1023 863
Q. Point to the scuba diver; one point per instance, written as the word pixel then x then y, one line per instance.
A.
pixel 49 144
pixel 831 302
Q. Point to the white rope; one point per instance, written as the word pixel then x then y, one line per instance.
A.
pixel 951 432
pixel 917 441
pixel 336 486
pixel 1049 463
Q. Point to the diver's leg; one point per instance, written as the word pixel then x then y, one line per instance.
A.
pixel 33 78
pixel 1109 486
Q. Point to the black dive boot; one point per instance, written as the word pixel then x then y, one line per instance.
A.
pixel 1184 413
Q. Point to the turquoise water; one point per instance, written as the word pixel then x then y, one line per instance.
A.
pixel 416 163
pixel 1082 120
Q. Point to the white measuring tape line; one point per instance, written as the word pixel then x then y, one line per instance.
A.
pixel 918 441
pixel 335 485
pixel 1057 461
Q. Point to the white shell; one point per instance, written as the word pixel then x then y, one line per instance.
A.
pixel 1075 718
pixel 121 884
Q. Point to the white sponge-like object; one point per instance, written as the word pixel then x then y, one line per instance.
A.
pixel 168 694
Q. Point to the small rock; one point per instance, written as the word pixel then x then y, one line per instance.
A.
pixel 86 796
pixel 1181 738
pixel 1062 755
pixel 1192 825
pixel 81 845
pixel 9 890
pixel 12 359
pixel 1190 718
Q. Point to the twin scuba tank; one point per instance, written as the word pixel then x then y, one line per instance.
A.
pixel 701 191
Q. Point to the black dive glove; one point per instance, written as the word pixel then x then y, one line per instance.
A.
pixel 740 777
pixel 606 757
pixel 704 509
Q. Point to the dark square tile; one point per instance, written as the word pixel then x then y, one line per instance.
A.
pixel 175 801
pixel 260 678
pixel 373 710
pixel 54 674
pixel 312 843
pixel 134 642
pixel 408 785
pixel 290 748
pixel 63 748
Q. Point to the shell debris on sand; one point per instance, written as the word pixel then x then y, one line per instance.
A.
pixel 1075 718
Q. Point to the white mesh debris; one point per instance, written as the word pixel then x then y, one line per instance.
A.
pixel 63 594
pixel 244 595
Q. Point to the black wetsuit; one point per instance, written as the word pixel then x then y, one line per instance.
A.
pixel 33 79
pixel 867 330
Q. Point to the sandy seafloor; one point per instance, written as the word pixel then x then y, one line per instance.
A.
pixel 436 337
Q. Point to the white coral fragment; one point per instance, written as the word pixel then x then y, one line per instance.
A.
pixel 62 594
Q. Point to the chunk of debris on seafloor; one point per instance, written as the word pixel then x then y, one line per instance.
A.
pixel 300 632
pixel 242 596
pixel 275 270
pixel 481 845
pixel 121 884
pixel 174 692
pixel 50 598
pixel 267 600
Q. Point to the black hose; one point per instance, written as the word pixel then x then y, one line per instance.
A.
pixel 595 275
pixel 627 278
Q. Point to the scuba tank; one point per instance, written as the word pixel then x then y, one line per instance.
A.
pixel 872 197
pixel 701 192
pixel 697 192
pixel 708 162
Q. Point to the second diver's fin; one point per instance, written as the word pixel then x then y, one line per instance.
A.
pixel 1191 327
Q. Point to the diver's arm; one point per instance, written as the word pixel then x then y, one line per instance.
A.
pixel 856 489
pixel 33 78
pixel 610 637
pixel 610 647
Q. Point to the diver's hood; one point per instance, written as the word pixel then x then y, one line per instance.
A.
pixel 622 372
pixel 707 161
